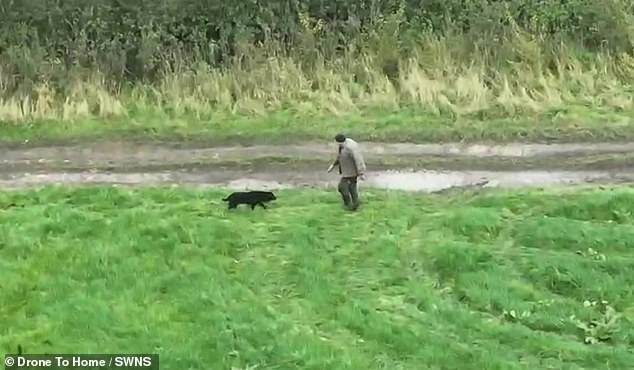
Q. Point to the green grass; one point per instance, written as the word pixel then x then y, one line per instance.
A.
pixel 499 280
pixel 289 126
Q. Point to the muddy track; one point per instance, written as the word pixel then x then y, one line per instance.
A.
pixel 427 181
pixel 410 167
pixel 114 152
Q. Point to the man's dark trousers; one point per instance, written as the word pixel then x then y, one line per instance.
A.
pixel 349 192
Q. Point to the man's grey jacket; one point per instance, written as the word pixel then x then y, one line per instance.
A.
pixel 350 160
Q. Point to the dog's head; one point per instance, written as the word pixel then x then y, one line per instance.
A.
pixel 271 196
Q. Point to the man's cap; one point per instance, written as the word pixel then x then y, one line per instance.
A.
pixel 340 138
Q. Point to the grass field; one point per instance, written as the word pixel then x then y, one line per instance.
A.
pixel 568 124
pixel 497 280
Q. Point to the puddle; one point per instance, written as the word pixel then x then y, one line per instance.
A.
pixel 436 181
pixel 424 181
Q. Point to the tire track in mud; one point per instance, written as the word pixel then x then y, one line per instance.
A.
pixel 426 181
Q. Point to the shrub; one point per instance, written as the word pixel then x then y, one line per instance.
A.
pixel 65 60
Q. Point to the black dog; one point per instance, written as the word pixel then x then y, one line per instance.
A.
pixel 252 198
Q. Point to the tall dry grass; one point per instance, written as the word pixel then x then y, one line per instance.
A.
pixel 519 75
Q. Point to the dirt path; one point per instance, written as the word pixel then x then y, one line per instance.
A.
pixel 234 167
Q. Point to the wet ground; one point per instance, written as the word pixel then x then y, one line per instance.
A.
pixel 429 181
pixel 408 167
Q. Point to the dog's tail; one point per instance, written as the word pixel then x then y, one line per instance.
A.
pixel 226 199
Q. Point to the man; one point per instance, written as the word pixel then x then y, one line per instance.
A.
pixel 351 167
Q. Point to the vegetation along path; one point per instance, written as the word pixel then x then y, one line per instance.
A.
pixel 401 166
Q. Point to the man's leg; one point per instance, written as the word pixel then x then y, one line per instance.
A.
pixel 354 193
pixel 344 190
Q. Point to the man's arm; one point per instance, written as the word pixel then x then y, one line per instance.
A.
pixel 335 163
pixel 358 161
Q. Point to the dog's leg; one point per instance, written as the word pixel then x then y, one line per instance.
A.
pixel 262 204
pixel 232 205
pixel 253 206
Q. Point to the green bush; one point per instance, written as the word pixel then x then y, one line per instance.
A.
pixel 53 52
pixel 137 38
